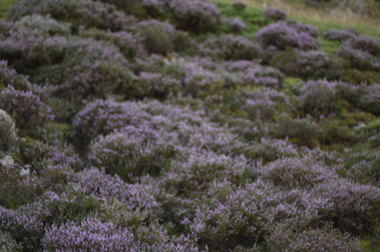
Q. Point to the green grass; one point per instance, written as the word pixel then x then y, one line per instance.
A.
pixel 5 6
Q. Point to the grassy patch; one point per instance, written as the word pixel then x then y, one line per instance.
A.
pixel 5 5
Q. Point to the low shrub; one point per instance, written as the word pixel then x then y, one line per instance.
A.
pixel 366 44
pixel 308 65
pixel 196 16
pixel 369 102
pixel 238 5
pixel 7 132
pixel 340 35
pixel 235 24
pixel 44 25
pixel 27 108
pixel 231 47
pixel 357 58
pixel 7 243
pixel 275 14
pixel 284 35
pixel 9 77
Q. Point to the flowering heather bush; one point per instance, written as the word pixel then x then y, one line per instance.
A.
pixel 284 35
pixel 370 100
pixel 127 155
pixel 320 98
pixel 366 44
pixel 270 149
pixel 154 8
pixel 258 75
pixel 275 14
pixel 231 47
pixel 241 214
pixel 300 131
pixel 357 58
pixel 24 228
pixel 308 65
pixel 44 25
pixel 103 117
pixel 7 243
pixel 195 15
pixel 156 85
pixel 356 207
pixel 5 28
pixel 340 35
pixel 364 167
pixel 323 239
pixel 26 107
pixel 129 44
pixel 86 13
pixel 295 172
pixel 7 132
pixel 238 5
pixel 235 24
pixel 9 76
pixel 193 177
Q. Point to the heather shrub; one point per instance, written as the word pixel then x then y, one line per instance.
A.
pixel 284 35
pixel 103 117
pixel 5 28
pixel 357 58
pixel 129 44
pixel 154 8
pixel 230 47
pixel 7 243
pixel 275 14
pixel 127 155
pixel 237 217
pixel 156 85
pixel 44 25
pixel 369 101
pixel 7 132
pixel 237 5
pixel 196 16
pixel 295 172
pixel 356 207
pixel 269 150
pixel 9 76
pixel 27 108
pixel 366 44
pixel 86 13
pixel 26 229
pixel 320 98
pixel 156 41
pixel 299 131
pixel 235 24
pixel 321 239
pixel 364 167
pixel 340 35
pixel 192 178
pixel 308 65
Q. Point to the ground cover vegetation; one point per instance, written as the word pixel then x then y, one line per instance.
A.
pixel 186 125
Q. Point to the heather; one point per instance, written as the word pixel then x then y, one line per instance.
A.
pixel 175 125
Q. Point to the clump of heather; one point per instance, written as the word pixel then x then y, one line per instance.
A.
pixel 5 28
pixel 103 117
pixel 128 43
pixel 283 35
pixel 44 25
pixel 9 76
pixel 233 215
pixel 157 86
pixel 7 243
pixel 321 239
pixel 196 15
pixel 230 47
pixel 154 8
pixel 192 178
pixel 356 207
pixel 27 108
pixel 235 24
pixel 340 35
pixel 321 98
pixel 275 14
pixel 357 58
pixel 365 43
pixel 369 101
pixel 7 132
pixel 364 167
pixel 294 172
pixel 238 5
pixel 268 150
pixel 301 131
pixel 308 65
pixel 86 13
pixel 127 155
